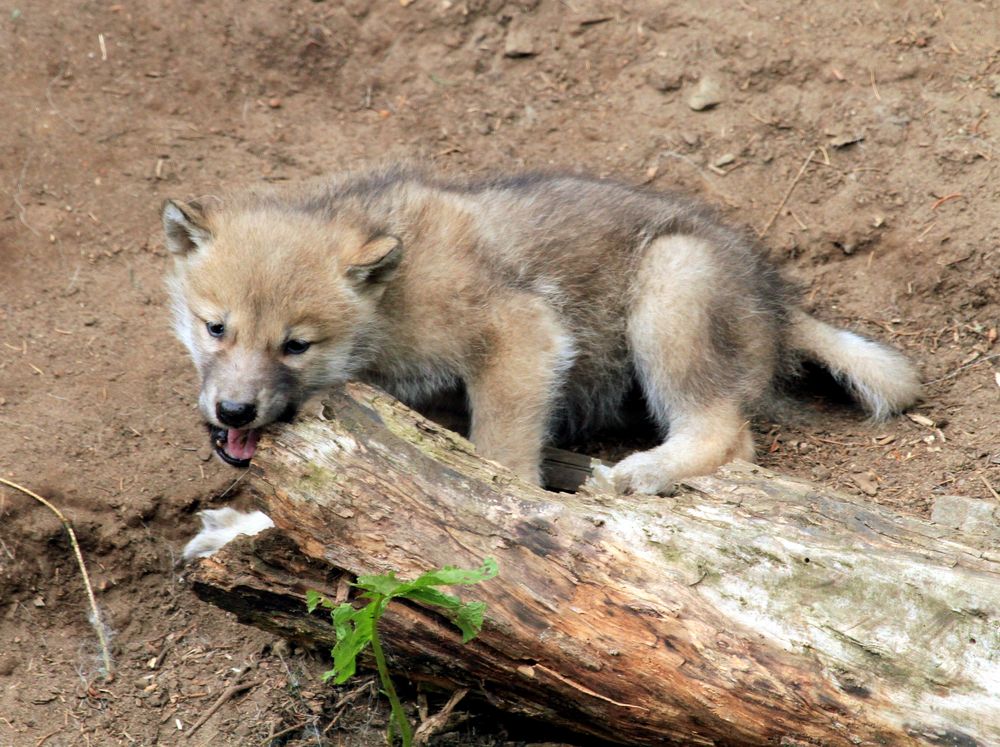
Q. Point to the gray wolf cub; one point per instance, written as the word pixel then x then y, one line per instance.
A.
pixel 546 297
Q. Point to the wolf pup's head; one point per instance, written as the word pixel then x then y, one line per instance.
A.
pixel 274 305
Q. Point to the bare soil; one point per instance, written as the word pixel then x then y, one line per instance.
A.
pixel 860 138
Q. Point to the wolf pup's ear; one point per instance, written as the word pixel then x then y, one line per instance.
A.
pixel 376 261
pixel 185 226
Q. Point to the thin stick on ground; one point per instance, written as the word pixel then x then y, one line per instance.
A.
pixel 439 720
pixel 990 488
pixel 788 193
pixel 96 622
pixel 227 694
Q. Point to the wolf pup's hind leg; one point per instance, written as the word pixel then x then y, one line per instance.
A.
pixel 701 439
pixel 695 371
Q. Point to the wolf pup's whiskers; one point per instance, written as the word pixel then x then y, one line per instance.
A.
pixel 547 297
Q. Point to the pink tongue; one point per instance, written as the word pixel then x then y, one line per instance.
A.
pixel 242 444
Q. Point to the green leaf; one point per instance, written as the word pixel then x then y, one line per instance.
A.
pixel 468 617
pixel 434 597
pixel 450 576
pixel 386 584
pixel 354 633
pixel 355 628
pixel 470 620
pixel 313 599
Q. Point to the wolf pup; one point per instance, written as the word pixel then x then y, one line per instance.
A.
pixel 545 297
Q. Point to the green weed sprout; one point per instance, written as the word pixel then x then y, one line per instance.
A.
pixel 357 628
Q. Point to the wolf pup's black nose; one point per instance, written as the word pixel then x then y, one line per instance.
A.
pixel 235 414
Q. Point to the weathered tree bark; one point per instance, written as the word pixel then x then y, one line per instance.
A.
pixel 746 609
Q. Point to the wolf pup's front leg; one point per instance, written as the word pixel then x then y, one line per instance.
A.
pixel 515 382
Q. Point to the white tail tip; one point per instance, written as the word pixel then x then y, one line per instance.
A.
pixel 220 526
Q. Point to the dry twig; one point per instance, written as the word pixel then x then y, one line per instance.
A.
pixel 96 622
pixel 439 720
pixel 788 193
pixel 227 694
pixel 961 368
pixel 284 732
pixel 345 700
pixel 990 488
pixel 946 198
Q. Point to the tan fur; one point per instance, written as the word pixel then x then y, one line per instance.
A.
pixel 544 297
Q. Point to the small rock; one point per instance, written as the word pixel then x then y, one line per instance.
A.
pixel 7 665
pixel 819 472
pixel 842 140
pixel 706 94
pixel 520 43
pixel 664 80
pixel 725 159
pixel 158 699
pixel 866 484
pixel 994 82
pixel 969 515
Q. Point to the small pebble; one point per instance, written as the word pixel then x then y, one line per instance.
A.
pixel 520 43
pixel 707 94
pixel 664 80
pixel 725 159
pixel 844 140
pixel 819 472
pixel 7 665
pixel 866 484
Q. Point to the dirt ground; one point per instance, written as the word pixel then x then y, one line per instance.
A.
pixel 859 137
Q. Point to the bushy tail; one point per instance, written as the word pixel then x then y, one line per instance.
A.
pixel 882 380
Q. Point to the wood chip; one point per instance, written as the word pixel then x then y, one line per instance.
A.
pixel 921 420
pixel 842 141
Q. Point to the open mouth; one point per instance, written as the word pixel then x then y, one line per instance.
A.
pixel 234 446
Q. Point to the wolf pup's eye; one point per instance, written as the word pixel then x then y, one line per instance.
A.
pixel 296 347
pixel 215 329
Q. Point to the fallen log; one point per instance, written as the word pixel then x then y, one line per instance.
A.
pixel 747 609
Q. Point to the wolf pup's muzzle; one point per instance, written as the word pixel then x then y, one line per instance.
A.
pixel 233 445
pixel 236 446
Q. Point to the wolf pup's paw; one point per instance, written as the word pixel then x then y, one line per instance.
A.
pixel 642 473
